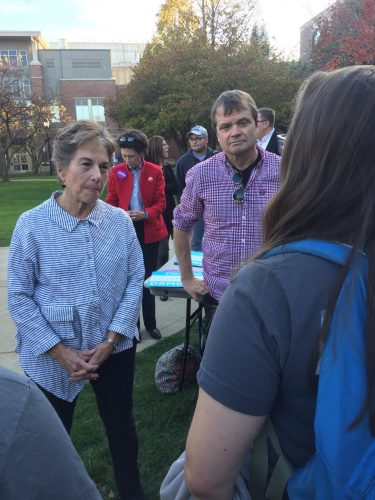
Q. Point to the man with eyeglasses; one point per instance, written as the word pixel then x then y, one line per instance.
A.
pixel 267 135
pixel 198 151
pixel 230 191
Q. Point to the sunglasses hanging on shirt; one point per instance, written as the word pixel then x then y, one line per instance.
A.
pixel 239 192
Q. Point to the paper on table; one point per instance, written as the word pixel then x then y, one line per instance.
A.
pixel 168 279
pixel 196 259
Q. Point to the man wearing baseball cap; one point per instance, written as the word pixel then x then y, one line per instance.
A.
pixel 199 151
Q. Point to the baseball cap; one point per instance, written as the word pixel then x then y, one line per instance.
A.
pixel 198 130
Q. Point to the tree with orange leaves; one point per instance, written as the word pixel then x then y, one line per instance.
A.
pixel 345 35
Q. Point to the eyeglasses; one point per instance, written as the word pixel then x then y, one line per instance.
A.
pixel 195 139
pixel 126 139
pixel 238 193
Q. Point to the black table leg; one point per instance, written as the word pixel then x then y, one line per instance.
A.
pixel 187 341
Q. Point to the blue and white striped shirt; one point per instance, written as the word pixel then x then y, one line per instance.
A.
pixel 136 202
pixel 72 280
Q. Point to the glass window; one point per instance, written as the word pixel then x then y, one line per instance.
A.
pixel 4 56
pixel 15 87
pixel 26 87
pixel 79 63
pixel 93 63
pixel 14 57
pixel 23 57
pixel 91 108
pixel 20 162
pixel 20 88
pixel 97 106
pixel 86 63
pixel 82 109
pixel 55 113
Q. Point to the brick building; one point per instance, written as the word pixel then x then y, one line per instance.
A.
pixel 80 78
pixel 309 34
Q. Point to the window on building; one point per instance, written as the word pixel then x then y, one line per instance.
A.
pixel 78 63
pixel 91 108
pixel 14 57
pixel 97 107
pixel 86 63
pixel 315 37
pixel 20 162
pixel 94 63
pixel 23 57
pixel 55 113
pixel 26 87
pixel 21 88
pixel 15 87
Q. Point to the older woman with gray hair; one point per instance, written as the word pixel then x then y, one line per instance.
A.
pixel 75 287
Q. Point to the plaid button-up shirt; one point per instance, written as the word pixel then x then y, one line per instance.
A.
pixel 233 231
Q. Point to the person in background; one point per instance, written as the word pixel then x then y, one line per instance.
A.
pixel 230 191
pixel 75 282
pixel 37 457
pixel 266 365
pixel 137 186
pixel 198 151
pixel 267 135
pixel 158 153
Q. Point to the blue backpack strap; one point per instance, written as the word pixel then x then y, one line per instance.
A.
pixel 344 463
pixel 329 250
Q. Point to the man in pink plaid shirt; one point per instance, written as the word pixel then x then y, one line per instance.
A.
pixel 231 191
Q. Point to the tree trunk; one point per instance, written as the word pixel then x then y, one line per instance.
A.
pixel 4 166
pixel 35 164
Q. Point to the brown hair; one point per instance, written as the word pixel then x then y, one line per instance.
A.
pixel 268 114
pixel 233 100
pixel 155 150
pixel 328 182
pixel 74 135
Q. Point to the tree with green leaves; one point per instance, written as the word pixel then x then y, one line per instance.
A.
pixel 181 73
pixel 176 19
pixel 226 22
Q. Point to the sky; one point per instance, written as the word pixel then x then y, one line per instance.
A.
pixel 135 20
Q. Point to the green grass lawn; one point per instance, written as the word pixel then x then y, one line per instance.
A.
pixel 21 194
pixel 162 422
pixel 18 196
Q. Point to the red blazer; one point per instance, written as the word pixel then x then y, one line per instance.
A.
pixel 151 187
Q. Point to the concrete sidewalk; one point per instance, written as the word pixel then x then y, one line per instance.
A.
pixel 170 318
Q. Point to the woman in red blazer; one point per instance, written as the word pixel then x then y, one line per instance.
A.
pixel 137 186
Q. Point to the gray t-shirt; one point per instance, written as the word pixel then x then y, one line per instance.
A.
pixel 37 458
pixel 258 356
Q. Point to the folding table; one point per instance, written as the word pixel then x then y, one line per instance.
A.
pixel 167 281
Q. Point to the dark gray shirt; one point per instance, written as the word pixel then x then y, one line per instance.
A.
pixel 37 458
pixel 258 357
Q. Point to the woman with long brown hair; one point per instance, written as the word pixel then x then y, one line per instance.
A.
pixel 158 153
pixel 268 326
